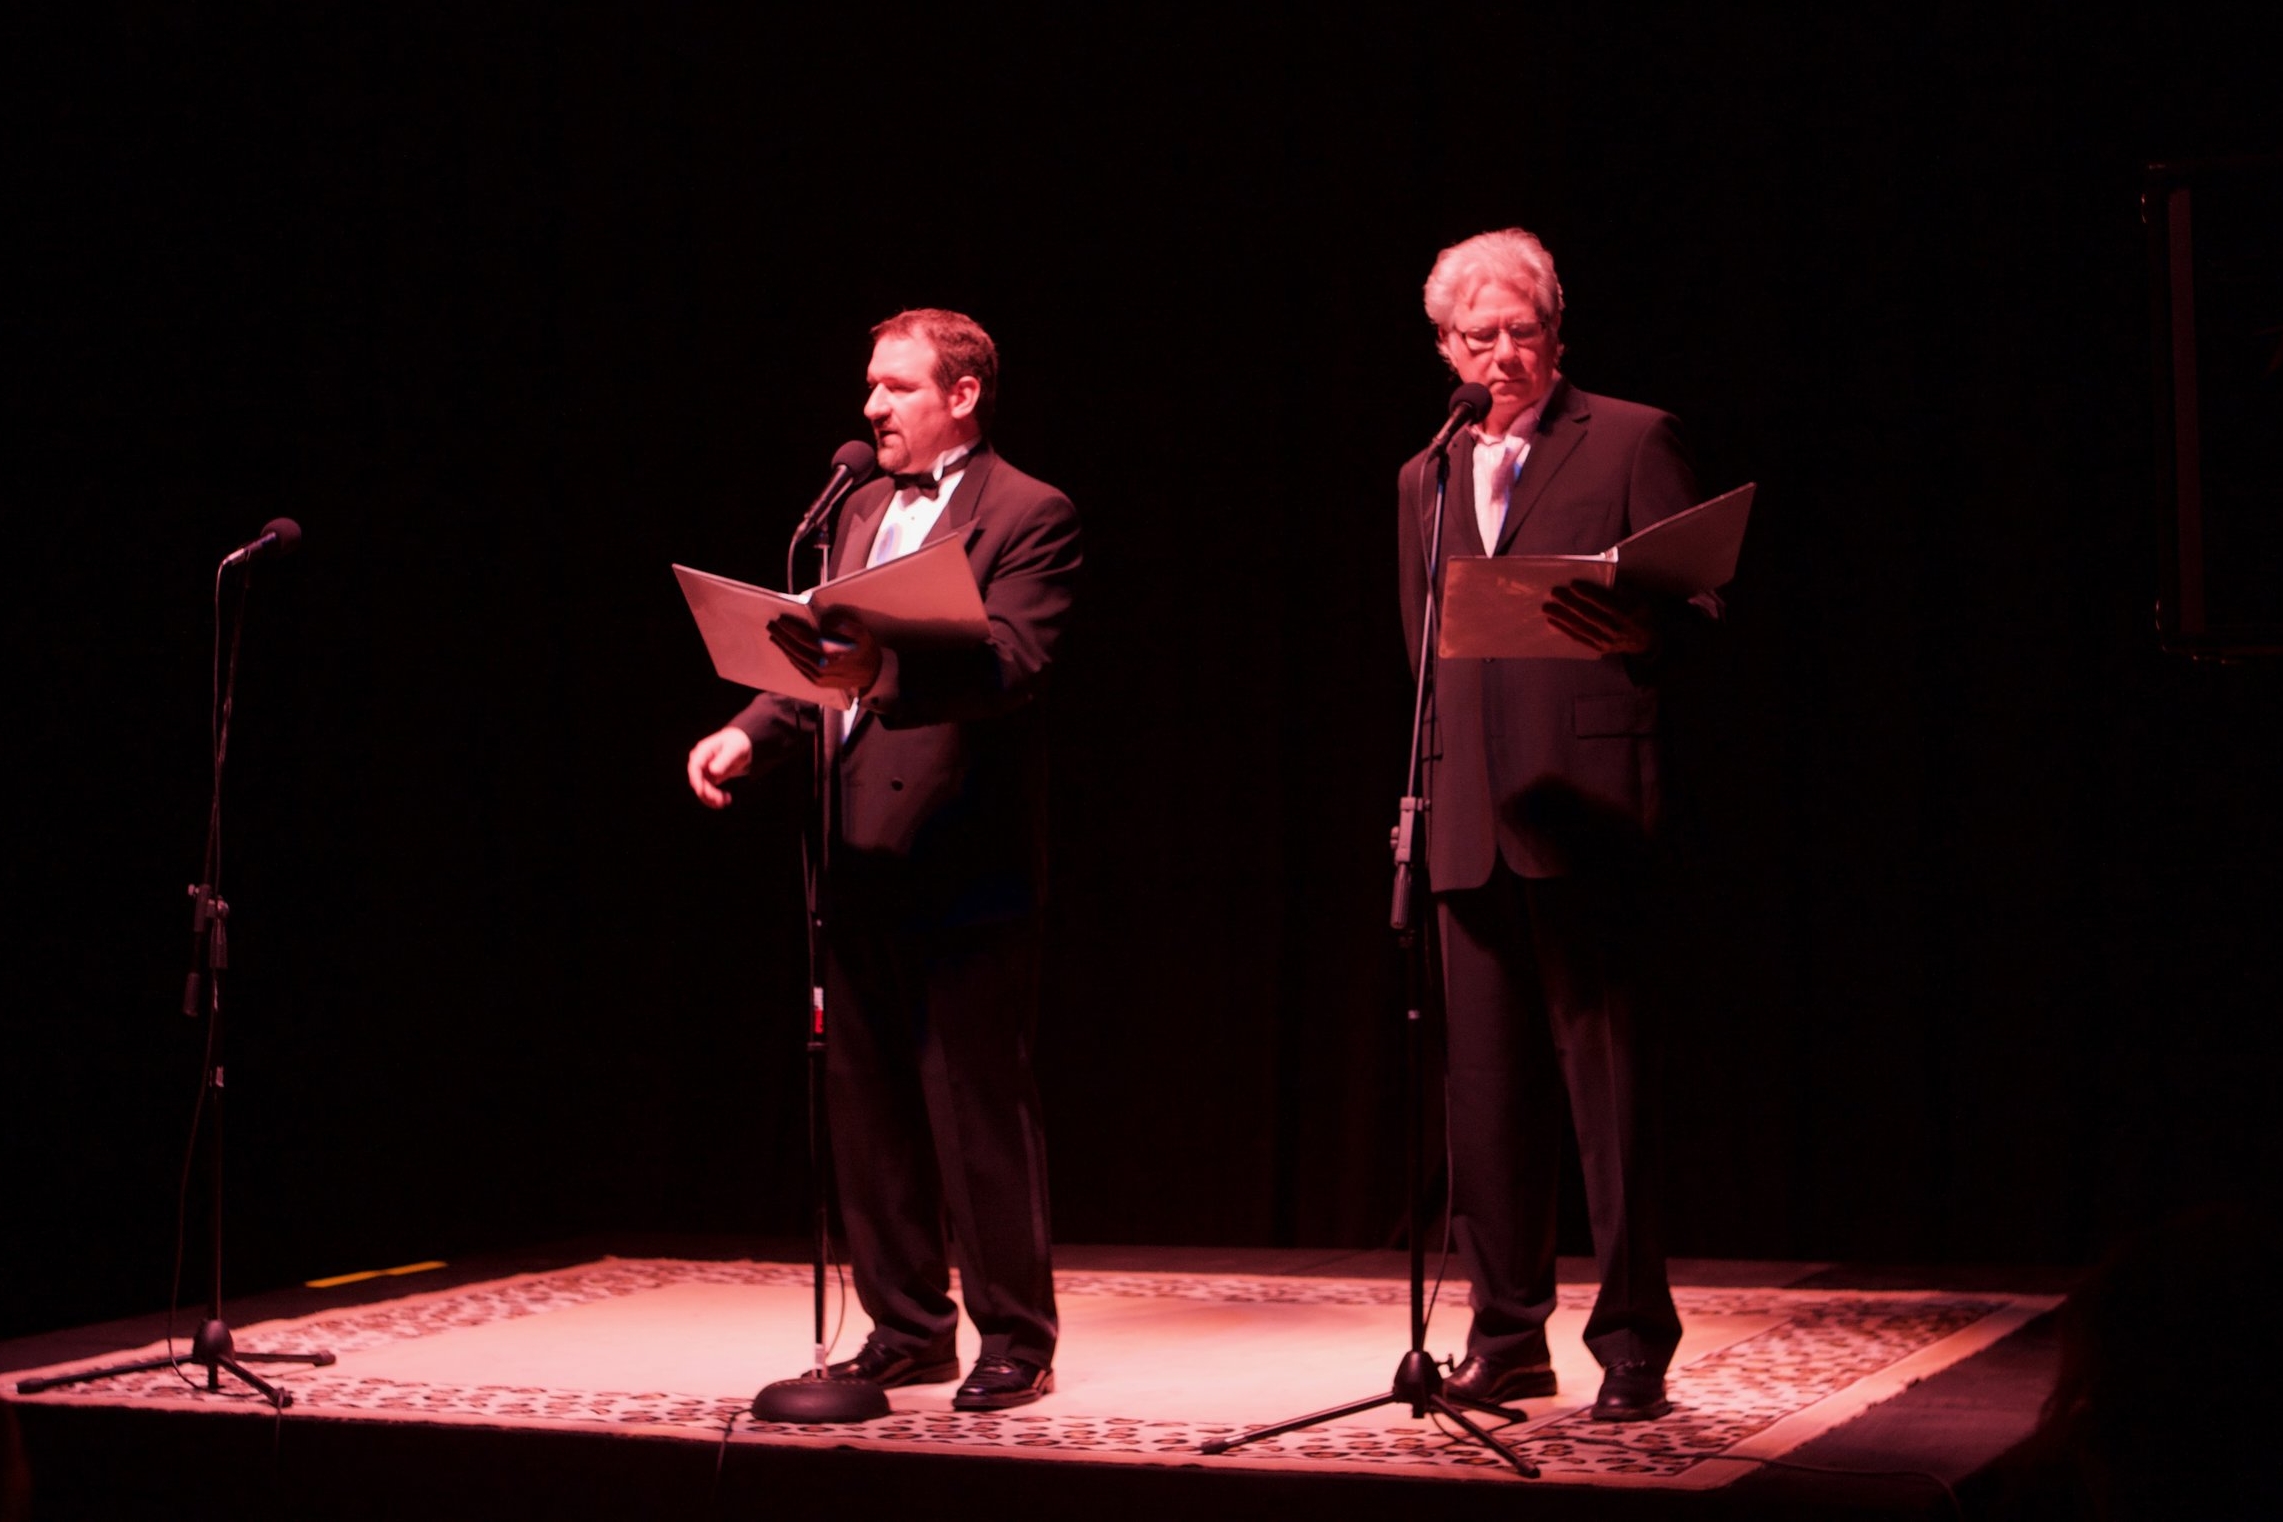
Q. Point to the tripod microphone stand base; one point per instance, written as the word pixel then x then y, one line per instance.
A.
pixel 1419 1385
pixel 215 1349
pixel 814 1398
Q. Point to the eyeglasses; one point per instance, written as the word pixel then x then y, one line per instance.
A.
pixel 1483 340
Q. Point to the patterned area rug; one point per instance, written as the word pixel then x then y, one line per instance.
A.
pixel 1152 1367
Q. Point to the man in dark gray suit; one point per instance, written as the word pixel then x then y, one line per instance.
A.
pixel 938 872
pixel 1542 779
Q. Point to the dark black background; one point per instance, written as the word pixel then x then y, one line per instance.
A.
pixel 511 308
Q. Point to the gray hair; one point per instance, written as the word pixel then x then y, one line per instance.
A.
pixel 1511 256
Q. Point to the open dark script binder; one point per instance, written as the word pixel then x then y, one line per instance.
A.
pixel 926 597
pixel 1493 605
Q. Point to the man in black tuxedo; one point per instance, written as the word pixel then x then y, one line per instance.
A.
pixel 1542 779
pixel 937 876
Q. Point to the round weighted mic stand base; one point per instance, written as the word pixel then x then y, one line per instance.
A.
pixel 814 1398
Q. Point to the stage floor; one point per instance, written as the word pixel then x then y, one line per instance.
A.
pixel 1907 1385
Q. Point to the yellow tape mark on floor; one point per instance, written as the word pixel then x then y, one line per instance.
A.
pixel 373 1273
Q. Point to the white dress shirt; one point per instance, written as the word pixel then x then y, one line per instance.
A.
pixel 909 517
pixel 904 527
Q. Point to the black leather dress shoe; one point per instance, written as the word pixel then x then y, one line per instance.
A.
pixel 1632 1392
pixel 1487 1383
pixel 996 1383
pixel 887 1368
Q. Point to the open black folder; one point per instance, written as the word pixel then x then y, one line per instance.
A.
pixel 926 597
pixel 1493 605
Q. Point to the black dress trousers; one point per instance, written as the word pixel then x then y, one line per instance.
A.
pixel 1541 1000
pixel 936 1123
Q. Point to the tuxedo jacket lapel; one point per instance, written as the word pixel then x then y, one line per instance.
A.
pixel 960 511
pixel 870 505
pixel 860 525
pixel 1560 427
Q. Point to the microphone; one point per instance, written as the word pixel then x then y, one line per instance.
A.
pixel 1469 404
pixel 852 464
pixel 279 536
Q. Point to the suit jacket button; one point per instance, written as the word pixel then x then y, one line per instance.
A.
pixel 895 784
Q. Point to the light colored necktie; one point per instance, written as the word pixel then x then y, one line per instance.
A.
pixel 1490 509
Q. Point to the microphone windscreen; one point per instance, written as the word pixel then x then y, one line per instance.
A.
pixel 1472 399
pixel 288 535
pixel 857 459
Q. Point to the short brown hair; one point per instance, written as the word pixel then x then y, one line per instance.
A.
pixel 961 348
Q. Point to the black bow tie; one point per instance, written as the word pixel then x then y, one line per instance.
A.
pixel 926 485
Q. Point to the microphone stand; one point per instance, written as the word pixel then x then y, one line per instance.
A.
pixel 812 1397
pixel 1418 1383
pixel 214 1347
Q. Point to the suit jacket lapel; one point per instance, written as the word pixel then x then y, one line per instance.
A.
pixel 1461 534
pixel 1560 427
